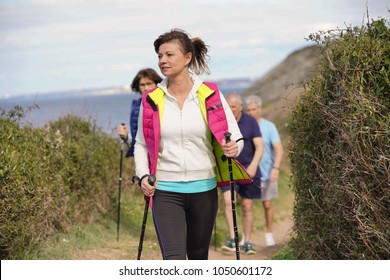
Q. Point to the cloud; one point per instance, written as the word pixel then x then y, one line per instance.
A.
pixel 93 43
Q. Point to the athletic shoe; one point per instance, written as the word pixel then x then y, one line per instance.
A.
pixel 269 239
pixel 249 248
pixel 230 245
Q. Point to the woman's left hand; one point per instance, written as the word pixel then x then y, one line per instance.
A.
pixel 230 149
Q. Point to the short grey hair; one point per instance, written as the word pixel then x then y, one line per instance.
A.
pixel 254 99
pixel 235 95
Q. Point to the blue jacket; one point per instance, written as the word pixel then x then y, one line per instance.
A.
pixel 134 113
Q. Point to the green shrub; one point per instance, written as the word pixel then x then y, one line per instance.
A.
pixel 32 196
pixel 53 178
pixel 89 166
pixel 340 149
pixel 285 253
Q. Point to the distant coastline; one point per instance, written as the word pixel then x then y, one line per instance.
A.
pixel 226 85
pixel 107 107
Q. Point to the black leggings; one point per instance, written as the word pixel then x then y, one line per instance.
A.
pixel 184 223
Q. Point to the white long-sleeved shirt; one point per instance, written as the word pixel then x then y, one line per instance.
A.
pixel 185 152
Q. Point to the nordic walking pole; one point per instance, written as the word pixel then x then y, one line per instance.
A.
pixel 227 139
pixel 119 191
pixel 120 183
pixel 151 181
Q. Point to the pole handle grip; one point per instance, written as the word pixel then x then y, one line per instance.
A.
pixel 227 136
pixel 151 179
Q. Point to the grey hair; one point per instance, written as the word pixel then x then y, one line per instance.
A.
pixel 235 95
pixel 254 99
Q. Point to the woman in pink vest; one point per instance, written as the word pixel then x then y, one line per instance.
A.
pixel 177 127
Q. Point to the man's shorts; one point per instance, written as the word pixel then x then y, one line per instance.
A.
pixel 269 190
pixel 251 191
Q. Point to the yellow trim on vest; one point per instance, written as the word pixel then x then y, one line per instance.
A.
pixel 204 92
pixel 158 98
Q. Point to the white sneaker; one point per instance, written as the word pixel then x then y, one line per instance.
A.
pixel 269 239
pixel 242 242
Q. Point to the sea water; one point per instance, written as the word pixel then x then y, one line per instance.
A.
pixel 106 111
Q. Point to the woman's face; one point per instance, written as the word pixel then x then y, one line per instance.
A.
pixel 146 84
pixel 171 60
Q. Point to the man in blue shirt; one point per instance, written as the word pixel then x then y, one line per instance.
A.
pixel 250 158
pixel 270 162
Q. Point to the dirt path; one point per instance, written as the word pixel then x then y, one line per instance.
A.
pixel 281 231
pixel 127 247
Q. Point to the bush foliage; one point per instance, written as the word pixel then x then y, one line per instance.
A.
pixel 52 178
pixel 340 148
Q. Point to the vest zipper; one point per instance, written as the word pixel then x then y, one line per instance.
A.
pixel 182 143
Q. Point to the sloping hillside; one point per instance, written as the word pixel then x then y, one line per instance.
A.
pixel 280 86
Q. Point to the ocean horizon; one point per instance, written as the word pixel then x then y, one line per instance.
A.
pixel 107 111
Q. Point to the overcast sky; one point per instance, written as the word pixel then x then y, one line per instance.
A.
pixel 48 45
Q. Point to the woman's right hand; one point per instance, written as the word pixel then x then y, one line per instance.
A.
pixel 148 189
